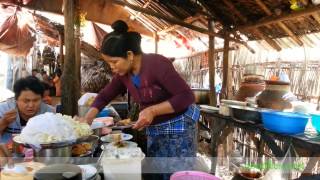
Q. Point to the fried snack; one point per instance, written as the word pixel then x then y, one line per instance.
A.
pixel 87 146
pixel 78 150
pixel 124 122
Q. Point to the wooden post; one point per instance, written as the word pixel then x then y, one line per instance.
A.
pixel 78 50
pixel 156 39
pixel 69 78
pixel 226 66
pixel 61 60
pixel 212 66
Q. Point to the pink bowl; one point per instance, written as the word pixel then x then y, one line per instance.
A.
pixel 193 175
pixel 108 121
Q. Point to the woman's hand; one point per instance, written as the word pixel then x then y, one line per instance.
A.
pixel 146 117
pixel 10 116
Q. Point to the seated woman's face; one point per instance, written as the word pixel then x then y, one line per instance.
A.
pixel 28 103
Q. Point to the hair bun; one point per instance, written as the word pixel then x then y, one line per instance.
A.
pixel 120 26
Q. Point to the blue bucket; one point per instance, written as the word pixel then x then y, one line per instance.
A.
pixel 284 122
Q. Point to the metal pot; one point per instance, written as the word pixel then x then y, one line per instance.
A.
pixel 53 155
pixel 247 114
pixel 276 96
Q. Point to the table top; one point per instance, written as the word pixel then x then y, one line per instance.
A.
pixel 308 140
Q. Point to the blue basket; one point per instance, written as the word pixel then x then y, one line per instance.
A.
pixel 284 122
pixel 316 121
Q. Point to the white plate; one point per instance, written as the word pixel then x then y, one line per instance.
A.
pixel 108 138
pixel 88 171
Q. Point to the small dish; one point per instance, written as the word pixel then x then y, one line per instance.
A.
pixel 110 137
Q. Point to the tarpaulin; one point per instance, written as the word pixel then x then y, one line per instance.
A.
pixel 15 38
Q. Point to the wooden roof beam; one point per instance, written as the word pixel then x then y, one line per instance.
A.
pixel 244 43
pixel 171 19
pixel 167 18
pixel 284 17
pixel 173 27
pixel 256 31
pixel 235 10
pixel 144 6
pixel 280 24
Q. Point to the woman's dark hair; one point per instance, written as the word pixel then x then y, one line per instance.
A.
pixel 120 41
pixel 28 83
pixel 46 86
pixel 58 72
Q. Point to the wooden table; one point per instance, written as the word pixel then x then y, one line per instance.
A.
pixel 220 126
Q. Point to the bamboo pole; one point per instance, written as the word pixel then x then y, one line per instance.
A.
pixel 156 39
pixel 280 24
pixel 69 78
pixel 173 27
pixel 212 67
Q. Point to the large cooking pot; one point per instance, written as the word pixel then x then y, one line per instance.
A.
pixel 56 152
pixel 276 96
pixel 250 87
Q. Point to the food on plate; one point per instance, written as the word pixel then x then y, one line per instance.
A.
pixel 120 144
pixel 52 128
pixel 81 149
pixel 124 122
pixel 116 137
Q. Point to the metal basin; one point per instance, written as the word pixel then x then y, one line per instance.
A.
pixel 247 114
pixel 53 155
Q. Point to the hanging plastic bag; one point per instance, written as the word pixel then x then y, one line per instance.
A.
pixel 287 167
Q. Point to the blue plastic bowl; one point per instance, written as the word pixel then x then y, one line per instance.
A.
pixel 284 122
pixel 316 121
pixel 104 113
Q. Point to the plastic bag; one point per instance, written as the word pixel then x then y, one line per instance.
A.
pixel 285 168
pixel 87 99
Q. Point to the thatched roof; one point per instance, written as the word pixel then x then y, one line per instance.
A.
pixel 257 19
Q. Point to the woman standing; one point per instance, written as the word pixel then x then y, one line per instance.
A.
pixel 166 101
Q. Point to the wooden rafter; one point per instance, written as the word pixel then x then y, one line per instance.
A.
pixel 173 27
pixel 256 31
pixel 280 24
pixel 167 18
pixel 171 19
pixel 284 17
pixel 244 43
pixel 144 6
pixel 235 10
